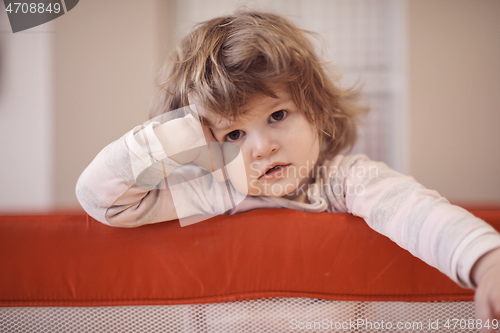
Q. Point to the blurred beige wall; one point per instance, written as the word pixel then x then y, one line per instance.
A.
pixel 26 133
pixel 454 98
pixel 107 54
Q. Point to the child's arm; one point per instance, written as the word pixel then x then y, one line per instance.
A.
pixel 125 184
pixel 418 219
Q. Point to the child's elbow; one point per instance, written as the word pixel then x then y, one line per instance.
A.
pixel 90 202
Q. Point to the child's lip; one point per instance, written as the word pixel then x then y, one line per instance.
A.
pixel 270 166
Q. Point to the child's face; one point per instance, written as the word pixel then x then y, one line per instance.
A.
pixel 278 144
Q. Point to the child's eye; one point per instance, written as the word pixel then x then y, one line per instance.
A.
pixel 278 115
pixel 233 136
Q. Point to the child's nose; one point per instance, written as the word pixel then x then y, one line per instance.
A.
pixel 264 146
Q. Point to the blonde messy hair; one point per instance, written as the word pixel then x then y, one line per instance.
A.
pixel 226 61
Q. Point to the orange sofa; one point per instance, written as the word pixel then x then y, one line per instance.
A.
pixel 75 261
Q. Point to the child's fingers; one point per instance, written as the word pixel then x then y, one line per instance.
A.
pixel 494 308
pixel 483 313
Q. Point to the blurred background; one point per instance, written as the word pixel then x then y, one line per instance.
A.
pixel 430 72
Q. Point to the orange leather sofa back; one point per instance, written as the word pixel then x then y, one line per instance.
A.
pixel 73 260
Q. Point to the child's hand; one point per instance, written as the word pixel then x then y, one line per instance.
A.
pixel 486 274
pixel 186 140
pixel 210 155
pixel 181 138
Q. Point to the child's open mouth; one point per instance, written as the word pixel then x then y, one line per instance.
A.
pixel 275 171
